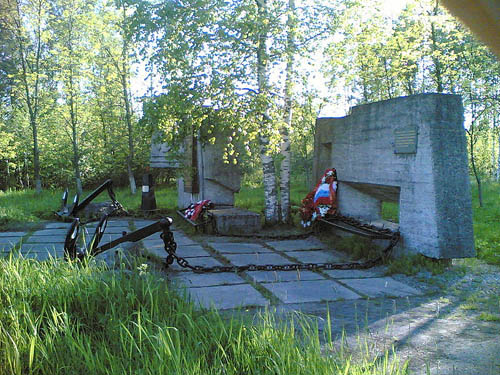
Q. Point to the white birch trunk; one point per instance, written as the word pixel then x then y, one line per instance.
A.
pixel 497 177
pixel 269 173
pixel 285 141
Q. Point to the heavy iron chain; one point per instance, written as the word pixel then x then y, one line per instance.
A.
pixel 393 237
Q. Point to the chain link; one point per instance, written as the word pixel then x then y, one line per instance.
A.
pixel 393 237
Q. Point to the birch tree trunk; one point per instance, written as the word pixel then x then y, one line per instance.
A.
pixel 497 177
pixel 31 88
pixel 269 173
pixel 128 115
pixel 285 141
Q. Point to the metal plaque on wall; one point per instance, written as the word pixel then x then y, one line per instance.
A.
pixel 405 140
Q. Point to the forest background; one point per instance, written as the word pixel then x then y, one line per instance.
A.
pixel 241 69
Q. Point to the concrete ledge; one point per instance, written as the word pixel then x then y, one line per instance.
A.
pixel 236 221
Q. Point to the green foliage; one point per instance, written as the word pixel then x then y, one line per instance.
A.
pixel 488 317
pixel 413 264
pixel 390 211
pixel 60 318
pixel 487 223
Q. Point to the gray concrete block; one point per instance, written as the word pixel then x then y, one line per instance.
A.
pixel 279 276
pixel 381 287
pixel 236 221
pixel 11 234
pixel 238 247
pixel 354 274
pixel 310 291
pixel 117 223
pixel 190 279
pixel 190 251
pixel 317 256
pixel 430 181
pixel 51 232
pixel 293 245
pixel 258 259
pixel 35 238
pixel 57 225
pixel 227 296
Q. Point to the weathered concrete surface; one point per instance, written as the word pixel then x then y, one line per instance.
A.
pixel 259 259
pixel 292 245
pixel 236 221
pixel 215 179
pixel 238 248
pixel 280 276
pixel 431 184
pixel 317 256
pixel 310 291
pixel 6 235
pixel 380 287
pixel 191 279
pixel 228 296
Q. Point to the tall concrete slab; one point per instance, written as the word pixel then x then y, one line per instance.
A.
pixel 216 179
pixel 411 150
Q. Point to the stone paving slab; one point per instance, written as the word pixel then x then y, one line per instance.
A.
pixel 143 223
pixel 9 241
pixel 179 238
pixel 109 230
pixel 354 274
pixel 35 238
pixel 182 239
pixel 5 248
pixel 310 291
pixel 117 223
pixel 190 251
pixel 294 245
pixel 185 251
pixel 207 279
pixel 259 259
pixel 51 232
pixel 381 287
pixel 199 261
pixel 279 276
pixel 41 247
pixel 317 256
pixel 227 296
pixel 238 247
pixel 57 225
pixel 115 230
pixel 11 234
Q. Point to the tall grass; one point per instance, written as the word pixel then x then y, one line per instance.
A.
pixel 26 206
pixel 58 318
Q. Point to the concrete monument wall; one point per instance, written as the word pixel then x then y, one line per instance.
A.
pixel 206 175
pixel 411 150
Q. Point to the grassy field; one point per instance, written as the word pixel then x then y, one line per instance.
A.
pixel 61 318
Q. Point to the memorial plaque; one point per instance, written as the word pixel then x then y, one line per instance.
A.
pixel 405 140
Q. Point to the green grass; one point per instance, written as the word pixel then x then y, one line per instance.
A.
pixel 413 264
pixel 60 318
pixel 18 207
pixel 487 223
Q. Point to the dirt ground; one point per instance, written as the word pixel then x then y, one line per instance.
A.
pixel 454 328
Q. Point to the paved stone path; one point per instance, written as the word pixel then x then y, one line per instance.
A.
pixel 230 290
pixel 427 326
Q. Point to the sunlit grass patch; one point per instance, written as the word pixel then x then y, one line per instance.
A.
pixel 60 318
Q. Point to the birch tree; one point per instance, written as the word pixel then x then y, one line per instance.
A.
pixel 27 21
